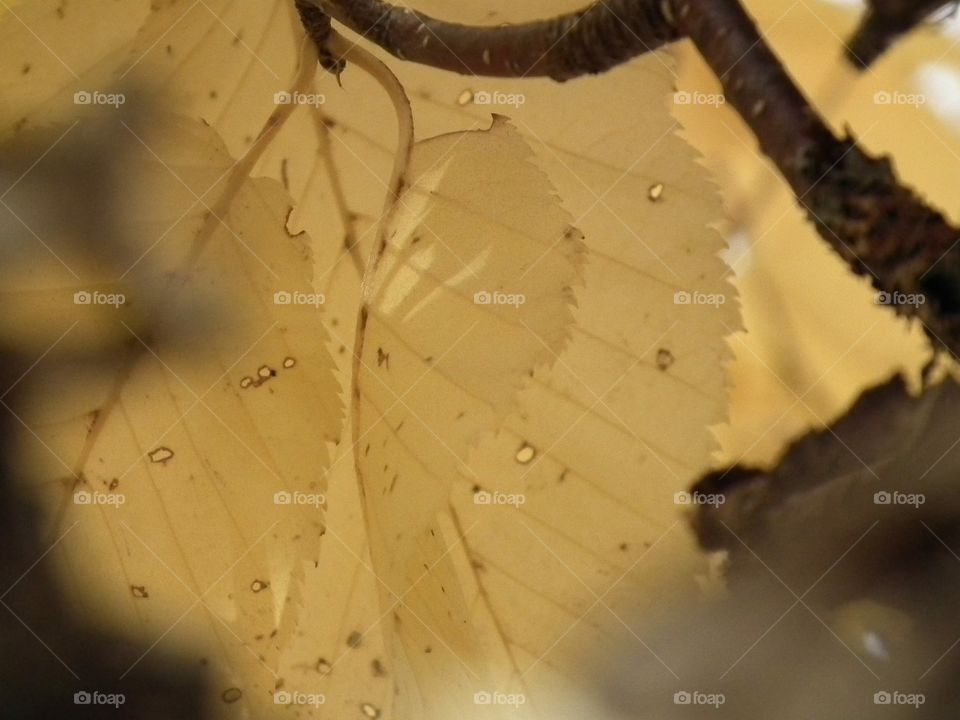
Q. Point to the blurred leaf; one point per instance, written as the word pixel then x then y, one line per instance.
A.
pixel 188 458
pixel 892 458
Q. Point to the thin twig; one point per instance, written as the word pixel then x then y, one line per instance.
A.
pixel 883 23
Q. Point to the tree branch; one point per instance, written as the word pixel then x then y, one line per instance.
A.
pixel 855 201
pixel 883 23
pixel 588 41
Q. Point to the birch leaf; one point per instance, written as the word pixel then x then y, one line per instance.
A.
pixel 505 596
pixel 470 291
pixel 190 460
pixel 42 55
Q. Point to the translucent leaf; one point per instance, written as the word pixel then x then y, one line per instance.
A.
pixel 471 290
pixel 42 54
pixel 185 454
pixel 574 497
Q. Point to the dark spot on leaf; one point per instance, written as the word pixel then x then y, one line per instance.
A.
pixel 139 591
pixel 354 639
pixel 664 358
pixel 231 695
